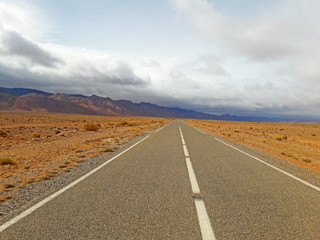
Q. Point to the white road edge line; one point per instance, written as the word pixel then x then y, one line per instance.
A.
pixel 193 180
pixel 278 169
pixel 46 200
pixel 204 221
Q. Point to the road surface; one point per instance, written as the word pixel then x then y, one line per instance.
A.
pixel 178 183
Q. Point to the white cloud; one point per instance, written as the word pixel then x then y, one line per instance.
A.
pixel 212 65
pixel 282 31
pixel 23 18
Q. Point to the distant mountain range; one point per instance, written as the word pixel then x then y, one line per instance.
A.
pixel 22 99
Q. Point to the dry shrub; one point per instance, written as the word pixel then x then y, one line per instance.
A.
pixel 109 125
pixel 122 124
pixel 4 198
pixel 307 160
pixel 3 133
pixel 91 127
pixel 108 149
pixel 36 135
pixel 6 161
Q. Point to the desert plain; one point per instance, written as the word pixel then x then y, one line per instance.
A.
pixel 36 147
pixel 298 143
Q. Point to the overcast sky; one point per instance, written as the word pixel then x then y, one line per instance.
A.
pixel 243 57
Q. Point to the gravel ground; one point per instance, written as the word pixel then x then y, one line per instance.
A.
pixel 25 198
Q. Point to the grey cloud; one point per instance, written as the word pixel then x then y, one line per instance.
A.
pixel 124 75
pixel 150 63
pixel 212 65
pixel 220 106
pixel 181 79
pixel 175 73
pixel 120 80
pixel 15 44
pixel 259 87
pixel 121 74
pixel 263 49
pixel 87 71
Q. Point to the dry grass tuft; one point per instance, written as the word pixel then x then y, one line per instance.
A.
pixel 91 127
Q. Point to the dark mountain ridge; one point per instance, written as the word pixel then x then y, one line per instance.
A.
pixel 22 91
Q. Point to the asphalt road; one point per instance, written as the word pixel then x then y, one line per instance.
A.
pixel 178 184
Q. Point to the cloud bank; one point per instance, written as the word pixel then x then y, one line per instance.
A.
pixel 280 41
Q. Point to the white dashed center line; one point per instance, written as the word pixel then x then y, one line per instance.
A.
pixel 185 149
pixel 204 221
pixel 192 177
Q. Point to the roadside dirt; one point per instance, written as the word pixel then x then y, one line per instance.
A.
pixel 43 145
pixel 298 143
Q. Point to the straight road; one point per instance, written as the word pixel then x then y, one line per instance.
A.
pixel 177 184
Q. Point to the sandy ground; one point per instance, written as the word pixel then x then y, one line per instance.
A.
pixel 43 145
pixel 298 143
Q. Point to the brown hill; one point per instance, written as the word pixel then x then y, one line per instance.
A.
pixel 41 103
pixel 94 105
pixel 7 100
